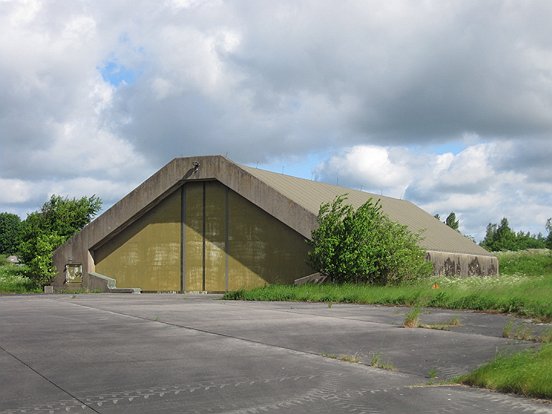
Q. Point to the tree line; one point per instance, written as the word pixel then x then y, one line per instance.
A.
pixel 500 237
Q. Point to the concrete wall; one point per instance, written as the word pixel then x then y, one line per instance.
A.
pixel 454 264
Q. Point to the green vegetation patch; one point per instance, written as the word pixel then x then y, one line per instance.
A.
pixel 521 295
pixel 527 373
pixel 529 262
pixel 13 279
pixel 523 289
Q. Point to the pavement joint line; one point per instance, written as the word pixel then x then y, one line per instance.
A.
pixel 47 379
pixel 223 335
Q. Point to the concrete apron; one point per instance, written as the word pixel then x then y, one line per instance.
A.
pixel 187 353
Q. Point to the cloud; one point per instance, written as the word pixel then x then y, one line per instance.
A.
pixel 110 91
pixel 472 183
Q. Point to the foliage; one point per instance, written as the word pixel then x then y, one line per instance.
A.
pixel 452 222
pixel 364 245
pixel 528 373
pixel 501 238
pixel 10 230
pixel 13 278
pixel 549 238
pixel 45 230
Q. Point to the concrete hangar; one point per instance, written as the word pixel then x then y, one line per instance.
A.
pixel 209 224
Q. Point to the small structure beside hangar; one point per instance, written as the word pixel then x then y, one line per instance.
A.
pixel 209 224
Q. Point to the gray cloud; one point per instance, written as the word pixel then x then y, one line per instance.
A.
pixel 268 80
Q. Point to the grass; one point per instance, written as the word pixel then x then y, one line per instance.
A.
pixel 522 289
pixel 445 326
pixel 353 359
pixel 527 373
pixel 525 296
pixel 13 279
pixel 513 330
pixel 412 318
pixel 377 362
pixel 537 262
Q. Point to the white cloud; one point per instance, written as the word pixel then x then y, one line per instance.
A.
pixel 14 191
pixel 468 183
pixel 374 83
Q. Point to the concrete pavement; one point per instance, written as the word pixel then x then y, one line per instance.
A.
pixel 196 354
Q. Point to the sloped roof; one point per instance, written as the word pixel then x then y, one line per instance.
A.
pixel 311 194
pixel 294 201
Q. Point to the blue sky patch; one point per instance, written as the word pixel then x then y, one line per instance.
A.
pixel 115 74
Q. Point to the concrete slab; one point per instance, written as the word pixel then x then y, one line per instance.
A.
pixel 111 353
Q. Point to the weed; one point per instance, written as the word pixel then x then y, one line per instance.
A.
pixel 354 359
pixel 330 304
pixel 432 373
pixel 377 362
pixel 518 331
pixel 441 326
pixel 454 322
pixel 546 336
pixel 525 333
pixel 412 318
pixel 507 330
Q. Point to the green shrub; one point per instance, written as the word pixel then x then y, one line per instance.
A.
pixel 364 245
pixel 43 231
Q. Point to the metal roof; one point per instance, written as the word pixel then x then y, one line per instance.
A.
pixel 436 236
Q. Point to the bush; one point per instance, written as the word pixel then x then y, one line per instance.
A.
pixel 364 245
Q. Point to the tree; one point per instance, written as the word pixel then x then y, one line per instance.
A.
pixel 549 238
pixel 10 231
pixel 45 230
pixel 452 222
pixel 501 237
pixel 364 245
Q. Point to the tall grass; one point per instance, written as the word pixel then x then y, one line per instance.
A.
pixel 520 293
pixel 13 279
pixel 530 262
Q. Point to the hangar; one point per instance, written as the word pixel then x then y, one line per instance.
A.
pixel 209 224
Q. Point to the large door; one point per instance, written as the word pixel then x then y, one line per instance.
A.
pixel 229 243
pixel 205 237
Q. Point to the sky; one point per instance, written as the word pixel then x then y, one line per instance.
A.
pixel 447 104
